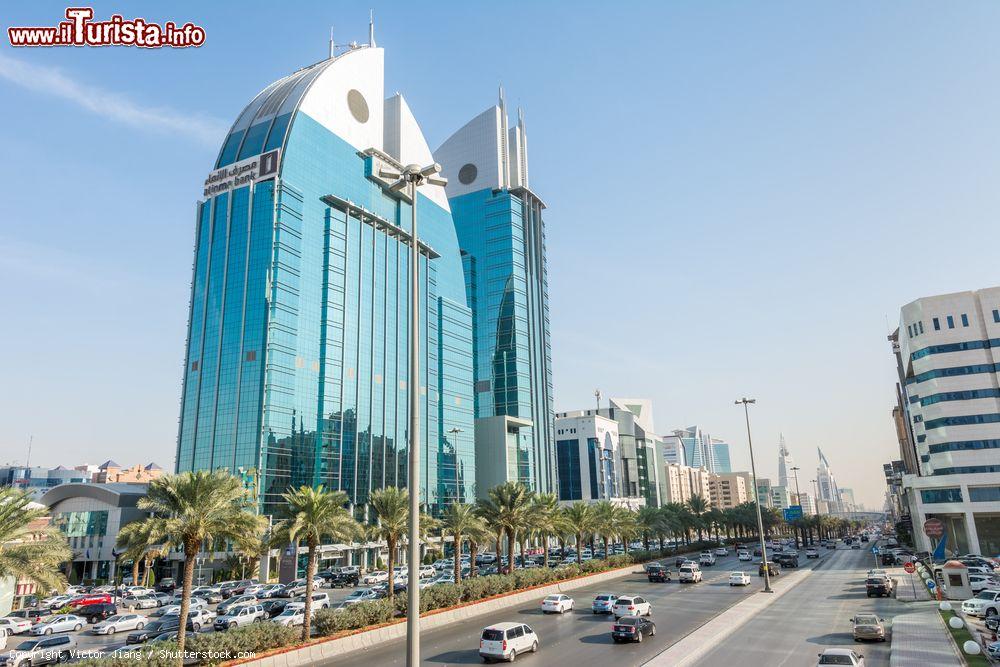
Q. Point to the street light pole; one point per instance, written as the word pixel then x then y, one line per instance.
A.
pixel 760 521
pixel 411 177
pixel 798 500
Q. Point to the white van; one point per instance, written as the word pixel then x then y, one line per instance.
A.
pixel 505 641
pixel 689 572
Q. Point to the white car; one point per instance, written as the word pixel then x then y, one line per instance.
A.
pixel 631 605
pixel 841 656
pixel 376 577
pixel 255 590
pixel 56 601
pixel 292 616
pixel 14 625
pixel 689 573
pixel 722 551
pixel 319 600
pixel 360 595
pixel 59 623
pixel 739 579
pixel 707 558
pixel 427 571
pixel 200 618
pixel 745 556
pixel 977 582
pixel 986 603
pixel 196 603
pixel 118 623
pixel 557 604
pixel 137 591
pixel 505 641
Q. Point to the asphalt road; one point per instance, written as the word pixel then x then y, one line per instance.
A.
pixel 580 637
pixel 813 616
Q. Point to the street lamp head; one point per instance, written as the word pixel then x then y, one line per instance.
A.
pixel 429 170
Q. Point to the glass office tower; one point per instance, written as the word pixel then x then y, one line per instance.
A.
pixel 502 237
pixel 297 363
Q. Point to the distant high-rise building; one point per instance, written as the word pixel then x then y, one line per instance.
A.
pixel 847 500
pixel 720 455
pixel 698 449
pixel 673 450
pixel 764 492
pixel 501 234
pixel 785 464
pixel 826 483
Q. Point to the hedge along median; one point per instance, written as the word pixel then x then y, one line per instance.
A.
pixel 372 623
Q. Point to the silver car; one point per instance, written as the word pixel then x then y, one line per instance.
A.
pixel 59 623
pixel 40 652
pixel 118 623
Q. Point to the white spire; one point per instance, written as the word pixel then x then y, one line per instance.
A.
pixel 371 28
pixel 332 45
pixel 504 150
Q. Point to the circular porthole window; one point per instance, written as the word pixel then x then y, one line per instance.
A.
pixel 358 105
pixel 467 174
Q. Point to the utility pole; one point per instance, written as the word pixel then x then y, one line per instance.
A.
pixel 798 499
pixel 746 402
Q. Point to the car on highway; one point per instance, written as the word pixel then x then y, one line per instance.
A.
pixel 59 623
pixel 772 569
pixel 855 545
pixel 14 625
pixel 706 558
pixel 722 551
pixel 505 641
pixel 632 629
pixel 689 573
pixel 985 604
pixel 557 604
pixel 658 574
pixel 840 656
pixel 119 623
pixel 811 552
pixel 788 560
pixel 739 578
pixel 603 603
pixel 631 605
pixel 745 556
pixel 40 652
pixel 868 626
pixel 878 587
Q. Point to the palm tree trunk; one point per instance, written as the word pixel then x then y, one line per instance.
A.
pixel 190 554
pixel 524 538
pixel 310 572
pixel 511 538
pixel 135 571
pixel 473 551
pixel 391 543
pixel 605 538
pixel 458 558
pixel 579 548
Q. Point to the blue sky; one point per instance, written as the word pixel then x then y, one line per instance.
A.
pixel 741 196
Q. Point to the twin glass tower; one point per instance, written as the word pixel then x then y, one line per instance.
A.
pixel 296 362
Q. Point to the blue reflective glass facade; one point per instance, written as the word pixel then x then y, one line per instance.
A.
pixel 297 360
pixel 502 236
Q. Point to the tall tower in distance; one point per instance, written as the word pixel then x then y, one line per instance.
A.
pixel 501 234
pixel 785 463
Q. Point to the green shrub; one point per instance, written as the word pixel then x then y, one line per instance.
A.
pixel 256 638
pixel 162 654
pixel 328 621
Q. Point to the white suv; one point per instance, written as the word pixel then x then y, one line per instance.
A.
pixel 240 616
pixel 689 572
pixel 631 605
pixel 707 558
pixel 987 603
pixel 504 641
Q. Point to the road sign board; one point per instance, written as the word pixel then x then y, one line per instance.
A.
pixel 793 512
pixel 909 567
pixel 933 528
pixel 875 550
pixel 930 583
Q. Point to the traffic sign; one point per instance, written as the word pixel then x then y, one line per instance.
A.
pixel 875 550
pixel 930 583
pixel 910 568
pixel 793 512
pixel 933 528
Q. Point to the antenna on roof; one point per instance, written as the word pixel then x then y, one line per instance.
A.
pixel 332 45
pixel 371 28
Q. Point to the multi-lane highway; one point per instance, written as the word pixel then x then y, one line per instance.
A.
pixel 581 637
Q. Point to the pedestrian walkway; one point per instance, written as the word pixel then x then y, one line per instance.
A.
pixel 909 587
pixel 920 638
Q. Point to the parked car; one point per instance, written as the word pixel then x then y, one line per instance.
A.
pixel 196 602
pixel 361 595
pixel 319 600
pixel 234 602
pixel 166 585
pixel 868 626
pixel 40 652
pixel 985 604
pixel 55 602
pixel 142 602
pixel 632 629
pixel 689 573
pixel 273 607
pixel 631 605
pixel 97 612
pixel 505 641
pixel 270 590
pixel 14 625
pixel 981 582
pixel 603 603
pixel 240 616
pixel 344 579
pixel 210 597
pixel 291 617
pixel 377 577
pixel 658 574
pixel 557 604
pixel 197 618
pixel 163 599
pixel 154 628
pixel 739 578
pixel 841 656
pixel 119 623
pixel 59 623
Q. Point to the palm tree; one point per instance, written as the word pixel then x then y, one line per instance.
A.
pixel 476 534
pixel 194 508
pixel 508 503
pixel 605 517
pixel 698 506
pixel 491 516
pixel 627 526
pixel 715 517
pixel 545 518
pixel 139 545
pixel 579 518
pixel 30 548
pixel 460 520
pixel 310 515
pixel 392 511
pixel 647 521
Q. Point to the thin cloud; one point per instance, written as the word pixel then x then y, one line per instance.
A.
pixel 110 105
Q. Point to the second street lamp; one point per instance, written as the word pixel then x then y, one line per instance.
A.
pixel 410 178
pixel 746 402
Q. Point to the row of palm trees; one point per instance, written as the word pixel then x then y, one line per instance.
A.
pixel 200 511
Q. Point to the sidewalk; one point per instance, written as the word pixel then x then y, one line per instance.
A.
pixel 920 638
pixel 909 587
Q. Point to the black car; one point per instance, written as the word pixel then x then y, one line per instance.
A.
pixel 382 590
pixel 166 585
pixel 877 586
pixel 772 570
pixel 344 579
pixel 658 574
pixel 274 607
pixel 632 629
pixel 95 613
pixel 756 551
pixel 165 624
pixel 680 560
pixel 786 560
pixel 864 538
